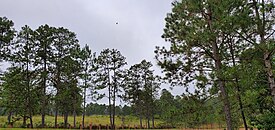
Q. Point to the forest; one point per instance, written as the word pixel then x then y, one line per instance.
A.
pixel 221 53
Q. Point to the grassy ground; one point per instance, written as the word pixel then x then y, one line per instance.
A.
pixel 94 120
pixel 31 129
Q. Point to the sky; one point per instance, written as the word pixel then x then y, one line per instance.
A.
pixel 134 27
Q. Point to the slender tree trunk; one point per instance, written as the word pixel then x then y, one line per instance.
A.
pixel 24 120
pixel 66 120
pixel 148 116
pixel 84 107
pixel 31 123
pixel 28 85
pixel 224 94
pixel 55 116
pixel 270 75
pixel 114 109
pixel 218 67
pixel 43 107
pixel 9 117
pixel 110 105
pixel 140 120
pixel 84 94
pixel 241 104
pixel 238 87
pixel 114 99
pixel 153 121
pixel 148 122
pixel 74 113
pixel 221 84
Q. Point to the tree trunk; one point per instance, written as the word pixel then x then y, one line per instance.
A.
pixel 84 107
pixel 225 100
pixel 24 121
pixel 221 84
pixel 114 103
pixel 238 87
pixel 148 116
pixel 114 97
pixel 43 107
pixel 218 67
pixel 148 122
pixel 29 93
pixel 55 117
pixel 224 95
pixel 74 113
pixel 140 121
pixel 270 76
pixel 110 107
pixel 109 90
pixel 66 120
pixel 31 123
pixel 153 122
pixel 9 117
pixel 241 104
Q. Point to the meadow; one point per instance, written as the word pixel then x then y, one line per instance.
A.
pixel 97 120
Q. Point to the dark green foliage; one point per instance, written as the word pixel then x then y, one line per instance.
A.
pixel 7 34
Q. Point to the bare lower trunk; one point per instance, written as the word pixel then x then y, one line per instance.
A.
pixel 55 117
pixel 43 107
pixel 148 118
pixel 84 107
pixel 66 119
pixel 114 109
pixel 241 106
pixel 226 104
pixel 9 117
pixel 31 123
pixel 238 86
pixel 110 105
pixel 221 84
pixel 148 122
pixel 114 99
pixel 43 119
pixel 153 121
pixel 140 121
pixel 74 119
pixel 110 108
pixel 24 121
pixel 270 76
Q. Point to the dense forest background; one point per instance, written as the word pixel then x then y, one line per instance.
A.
pixel 221 53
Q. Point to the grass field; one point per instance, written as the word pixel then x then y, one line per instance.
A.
pixel 94 120
pixel 78 129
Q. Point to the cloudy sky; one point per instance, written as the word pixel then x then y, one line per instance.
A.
pixel 139 29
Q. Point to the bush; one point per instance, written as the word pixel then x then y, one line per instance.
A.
pixel 264 121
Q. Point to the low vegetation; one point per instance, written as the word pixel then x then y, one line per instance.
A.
pixel 96 120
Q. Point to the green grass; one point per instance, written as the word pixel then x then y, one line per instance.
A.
pixel 94 120
pixel 30 129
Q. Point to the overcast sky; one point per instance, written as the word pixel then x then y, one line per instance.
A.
pixel 139 29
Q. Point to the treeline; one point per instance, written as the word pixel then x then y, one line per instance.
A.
pixel 102 109
pixel 224 49
pixel 50 73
